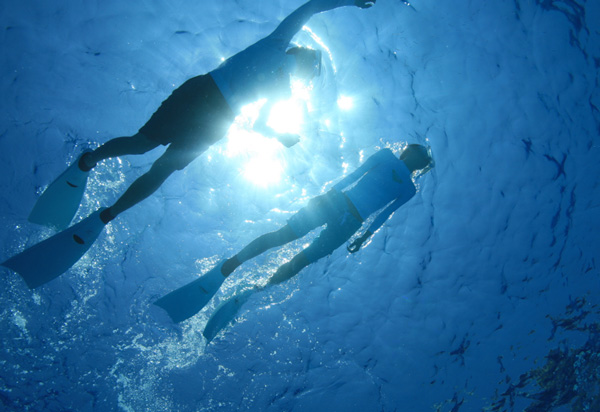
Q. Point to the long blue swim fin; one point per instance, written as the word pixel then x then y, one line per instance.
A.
pixel 59 202
pixel 188 300
pixel 225 314
pixel 52 257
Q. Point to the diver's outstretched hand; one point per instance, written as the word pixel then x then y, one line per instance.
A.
pixel 364 4
pixel 357 244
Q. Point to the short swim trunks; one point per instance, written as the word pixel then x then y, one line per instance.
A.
pixel 194 116
pixel 331 209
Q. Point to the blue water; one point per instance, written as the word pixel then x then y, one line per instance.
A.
pixel 478 281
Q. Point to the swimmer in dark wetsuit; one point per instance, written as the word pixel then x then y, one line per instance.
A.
pixel 199 112
pixel 195 116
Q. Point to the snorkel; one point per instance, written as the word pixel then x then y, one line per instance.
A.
pixel 429 166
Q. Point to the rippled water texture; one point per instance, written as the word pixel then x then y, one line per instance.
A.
pixel 484 282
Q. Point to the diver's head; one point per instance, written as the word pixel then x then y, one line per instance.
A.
pixel 417 157
pixel 307 62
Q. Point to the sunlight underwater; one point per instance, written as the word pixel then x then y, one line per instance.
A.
pixel 481 292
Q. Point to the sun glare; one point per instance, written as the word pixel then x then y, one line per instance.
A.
pixel 345 103
pixel 263 170
pixel 260 157
pixel 286 117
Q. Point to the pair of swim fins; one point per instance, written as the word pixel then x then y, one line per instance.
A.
pixel 52 257
pixel 56 208
pixel 188 300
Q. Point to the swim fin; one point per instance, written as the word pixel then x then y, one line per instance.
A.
pixel 188 300
pixel 52 257
pixel 59 202
pixel 225 314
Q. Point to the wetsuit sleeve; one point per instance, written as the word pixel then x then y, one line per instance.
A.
pixel 358 173
pixel 294 22
pixel 387 212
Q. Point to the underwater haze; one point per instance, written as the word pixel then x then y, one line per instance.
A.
pixel 481 293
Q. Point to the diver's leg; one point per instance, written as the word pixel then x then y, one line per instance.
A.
pixel 258 246
pixel 306 219
pixel 289 269
pixel 120 146
pixel 148 183
pixel 336 233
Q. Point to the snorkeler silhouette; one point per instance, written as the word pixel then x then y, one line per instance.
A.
pixel 196 115
pixel 382 180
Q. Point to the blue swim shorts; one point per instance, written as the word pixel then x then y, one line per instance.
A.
pixel 331 209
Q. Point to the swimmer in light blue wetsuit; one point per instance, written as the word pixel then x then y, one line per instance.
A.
pixel 382 181
pixel 379 186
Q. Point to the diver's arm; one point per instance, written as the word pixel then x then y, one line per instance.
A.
pixel 386 214
pixel 352 177
pixel 294 22
pixel 377 223
pixel 359 172
pixel 261 126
